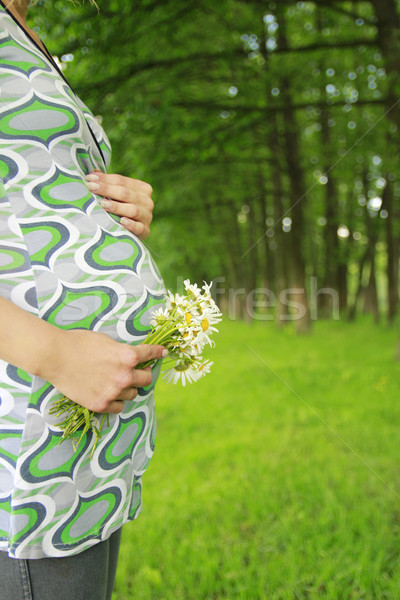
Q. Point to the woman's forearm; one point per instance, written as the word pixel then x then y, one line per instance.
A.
pixel 27 341
pixel 88 367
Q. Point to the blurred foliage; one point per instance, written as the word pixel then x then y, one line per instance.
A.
pixel 269 131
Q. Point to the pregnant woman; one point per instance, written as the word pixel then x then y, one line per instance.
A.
pixel 76 288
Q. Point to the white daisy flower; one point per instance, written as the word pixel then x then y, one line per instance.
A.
pixel 204 325
pixel 193 290
pixel 207 288
pixel 190 352
pixel 175 301
pixel 183 371
pixel 204 367
pixel 159 317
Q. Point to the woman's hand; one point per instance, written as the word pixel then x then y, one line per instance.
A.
pixel 97 372
pixel 128 198
pixel 88 367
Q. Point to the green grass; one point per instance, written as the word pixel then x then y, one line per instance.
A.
pixel 277 476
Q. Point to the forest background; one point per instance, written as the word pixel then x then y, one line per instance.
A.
pixel 270 134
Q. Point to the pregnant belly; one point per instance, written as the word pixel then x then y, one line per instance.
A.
pixel 89 277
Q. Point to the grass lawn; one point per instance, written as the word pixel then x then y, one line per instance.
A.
pixel 277 476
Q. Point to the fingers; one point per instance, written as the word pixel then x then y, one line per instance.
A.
pixel 133 378
pixel 146 352
pixel 139 378
pixel 122 189
pixel 125 197
pixel 134 218
pixel 120 181
pixel 136 227
pixel 115 407
pixel 142 377
pixel 132 210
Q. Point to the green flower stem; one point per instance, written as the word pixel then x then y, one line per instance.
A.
pixel 162 336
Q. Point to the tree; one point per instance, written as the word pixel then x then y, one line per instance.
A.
pixel 268 130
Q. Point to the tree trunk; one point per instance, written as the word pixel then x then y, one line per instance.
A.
pixel 270 268
pixel 280 238
pixel 342 289
pixel 331 275
pixel 392 256
pixel 344 257
pixel 252 266
pixel 236 283
pixel 371 303
pixel 331 249
pixel 297 196
pixel 389 43
pixel 371 293
pixel 353 308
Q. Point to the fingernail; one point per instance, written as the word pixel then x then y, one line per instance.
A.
pixel 92 177
pixel 106 204
pixel 93 187
pixel 124 221
pixel 164 353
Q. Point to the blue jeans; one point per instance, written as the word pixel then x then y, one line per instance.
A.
pixel 89 575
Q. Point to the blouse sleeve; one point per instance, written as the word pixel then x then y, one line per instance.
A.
pixel 16 276
pixel 95 125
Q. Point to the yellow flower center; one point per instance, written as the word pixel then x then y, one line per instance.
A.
pixel 205 324
pixel 188 318
pixel 182 367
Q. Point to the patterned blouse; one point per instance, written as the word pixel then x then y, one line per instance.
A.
pixel 66 260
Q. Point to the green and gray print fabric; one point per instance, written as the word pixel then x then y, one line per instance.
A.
pixel 66 260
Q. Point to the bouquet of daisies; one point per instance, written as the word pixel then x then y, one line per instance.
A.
pixel 184 326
